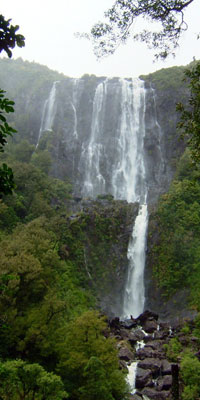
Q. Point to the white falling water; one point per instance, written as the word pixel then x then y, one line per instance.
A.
pixel 129 175
pixel 159 136
pixel 128 179
pixel 73 104
pixel 48 112
pixel 131 376
pixel 134 293
pixel 94 181
pixel 129 183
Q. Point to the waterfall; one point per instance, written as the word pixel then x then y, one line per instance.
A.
pixel 74 104
pixel 48 112
pixel 128 176
pixel 134 293
pixel 131 376
pixel 94 181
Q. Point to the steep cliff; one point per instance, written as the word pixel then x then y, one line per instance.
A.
pixel 107 136
pixel 59 114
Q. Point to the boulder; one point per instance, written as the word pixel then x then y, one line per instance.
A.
pixel 160 335
pixel 155 394
pixel 137 335
pixel 166 368
pixel 165 383
pixel 150 326
pixel 148 352
pixel 124 334
pixel 114 323
pixel 153 364
pixel 125 354
pixel 146 315
pixel 135 397
pixel 129 323
pixel 154 344
pixel 143 377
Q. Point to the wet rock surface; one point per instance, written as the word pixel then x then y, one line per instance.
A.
pixel 144 338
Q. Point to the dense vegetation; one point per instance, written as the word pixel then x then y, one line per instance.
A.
pixel 175 254
pixel 55 263
pixel 184 349
pixel 52 341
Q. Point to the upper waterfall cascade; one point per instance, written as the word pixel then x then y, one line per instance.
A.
pixel 48 112
pixel 108 156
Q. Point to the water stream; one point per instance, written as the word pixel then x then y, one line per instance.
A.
pixel 48 112
pixel 128 178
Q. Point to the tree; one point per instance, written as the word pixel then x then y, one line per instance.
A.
pixel 8 37
pixel 8 40
pixel 121 16
pixel 22 381
pixel 190 374
pixel 88 359
pixel 6 174
pixel 189 124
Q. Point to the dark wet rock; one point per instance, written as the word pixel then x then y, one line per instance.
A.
pixel 166 367
pixel 151 363
pixel 154 344
pixel 148 352
pixel 124 334
pixel 123 365
pixel 150 326
pixel 155 394
pixel 114 323
pixel 160 335
pixel 138 335
pixel 146 315
pixel 143 377
pixel 194 339
pixel 165 383
pixel 135 397
pixel 198 354
pixel 125 354
pixel 129 323
pixel 183 339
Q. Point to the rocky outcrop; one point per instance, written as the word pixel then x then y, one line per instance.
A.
pixel 156 377
pixel 100 230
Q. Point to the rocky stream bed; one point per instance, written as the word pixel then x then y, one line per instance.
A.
pixel 141 341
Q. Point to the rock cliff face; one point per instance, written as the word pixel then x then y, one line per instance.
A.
pixel 88 126
pixel 93 106
pixel 72 116
pixel 100 231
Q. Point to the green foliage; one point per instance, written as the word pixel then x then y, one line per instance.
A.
pixel 42 160
pixel 8 40
pixel 20 380
pixel 91 362
pixel 190 118
pixel 190 374
pixel 8 37
pixel 176 254
pixel 6 180
pixel 96 387
pixel 22 151
pixel 166 78
pixel 185 329
pixel 107 36
pixel 36 194
pixel 173 349
pixel 6 174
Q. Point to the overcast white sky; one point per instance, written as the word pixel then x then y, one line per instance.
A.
pixel 49 28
